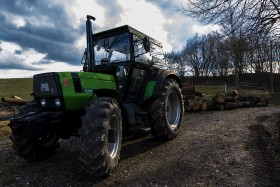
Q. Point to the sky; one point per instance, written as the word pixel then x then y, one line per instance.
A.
pixel 38 36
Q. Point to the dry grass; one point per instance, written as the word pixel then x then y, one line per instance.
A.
pixel 5 131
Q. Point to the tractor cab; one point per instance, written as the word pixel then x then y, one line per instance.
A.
pixel 126 53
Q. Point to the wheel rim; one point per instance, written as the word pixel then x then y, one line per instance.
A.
pixel 113 136
pixel 173 109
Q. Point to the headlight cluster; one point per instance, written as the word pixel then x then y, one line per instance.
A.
pixel 57 102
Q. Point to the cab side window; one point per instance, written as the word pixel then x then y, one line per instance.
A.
pixel 137 80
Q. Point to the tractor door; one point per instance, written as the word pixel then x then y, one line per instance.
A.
pixel 138 81
pixel 140 69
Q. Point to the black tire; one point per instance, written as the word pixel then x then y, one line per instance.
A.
pixel 34 149
pixel 101 136
pixel 166 111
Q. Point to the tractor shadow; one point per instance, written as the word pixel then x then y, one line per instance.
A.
pixel 136 142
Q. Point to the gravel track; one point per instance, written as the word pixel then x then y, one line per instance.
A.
pixel 215 148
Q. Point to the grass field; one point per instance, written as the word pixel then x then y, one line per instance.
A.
pixel 19 87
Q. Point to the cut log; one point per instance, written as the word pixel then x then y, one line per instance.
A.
pixel 191 103
pixel 220 106
pixel 230 105
pixel 243 104
pixel 230 99
pixel 204 106
pixel 14 99
pixel 234 93
pixel 220 98
pixel 263 102
pixel 196 107
pixel 211 105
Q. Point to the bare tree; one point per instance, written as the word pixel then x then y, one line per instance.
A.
pixel 260 15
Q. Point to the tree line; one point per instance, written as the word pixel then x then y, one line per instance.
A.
pixel 247 41
pixel 214 54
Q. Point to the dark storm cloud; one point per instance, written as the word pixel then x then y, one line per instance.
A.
pixel 113 12
pixel 48 29
pixel 15 63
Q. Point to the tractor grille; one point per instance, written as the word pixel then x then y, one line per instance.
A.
pixel 46 85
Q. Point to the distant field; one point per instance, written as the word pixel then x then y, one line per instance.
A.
pixel 19 87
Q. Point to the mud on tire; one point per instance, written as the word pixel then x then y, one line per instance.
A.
pixel 101 136
pixel 166 111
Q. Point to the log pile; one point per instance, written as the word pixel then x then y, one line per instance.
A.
pixel 229 101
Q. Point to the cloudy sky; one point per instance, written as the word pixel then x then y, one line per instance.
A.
pixel 48 35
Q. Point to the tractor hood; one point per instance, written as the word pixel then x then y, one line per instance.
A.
pixel 87 75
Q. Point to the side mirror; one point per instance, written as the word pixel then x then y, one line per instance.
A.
pixel 146 44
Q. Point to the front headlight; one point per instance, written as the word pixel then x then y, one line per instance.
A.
pixel 43 102
pixel 57 102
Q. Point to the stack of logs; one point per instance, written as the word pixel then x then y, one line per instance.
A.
pixel 229 101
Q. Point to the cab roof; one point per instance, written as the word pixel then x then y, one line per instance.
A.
pixel 123 29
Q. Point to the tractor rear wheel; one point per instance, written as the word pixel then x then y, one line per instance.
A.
pixel 101 137
pixel 34 149
pixel 166 111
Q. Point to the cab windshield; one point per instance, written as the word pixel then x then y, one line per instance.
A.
pixel 112 49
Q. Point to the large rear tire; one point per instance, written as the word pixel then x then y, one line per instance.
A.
pixel 34 149
pixel 166 111
pixel 101 136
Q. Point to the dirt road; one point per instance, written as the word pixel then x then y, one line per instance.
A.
pixel 215 148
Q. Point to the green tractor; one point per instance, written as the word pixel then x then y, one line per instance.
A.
pixel 122 85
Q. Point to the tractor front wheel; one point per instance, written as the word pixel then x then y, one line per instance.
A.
pixel 101 137
pixel 34 149
pixel 166 111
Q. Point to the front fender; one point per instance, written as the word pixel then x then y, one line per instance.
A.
pixel 108 93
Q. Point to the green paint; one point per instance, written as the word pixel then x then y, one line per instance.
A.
pixel 89 82
pixel 149 89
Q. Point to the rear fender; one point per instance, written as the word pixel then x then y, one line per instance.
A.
pixel 160 79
